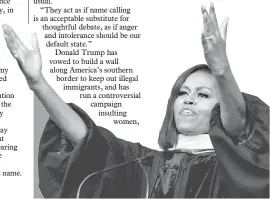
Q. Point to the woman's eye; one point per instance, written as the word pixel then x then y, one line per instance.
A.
pixel 182 93
pixel 203 95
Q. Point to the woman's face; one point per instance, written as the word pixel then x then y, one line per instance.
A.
pixel 193 107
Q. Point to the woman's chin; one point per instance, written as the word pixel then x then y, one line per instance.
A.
pixel 189 131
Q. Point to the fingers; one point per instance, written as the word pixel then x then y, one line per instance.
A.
pixel 11 36
pixel 206 43
pixel 213 17
pixel 207 24
pixel 35 44
pixel 223 29
pixel 13 42
pixel 210 21
pixel 203 9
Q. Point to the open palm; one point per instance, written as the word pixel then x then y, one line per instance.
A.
pixel 214 40
pixel 28 60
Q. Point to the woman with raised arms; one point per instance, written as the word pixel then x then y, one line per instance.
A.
pixel 214 139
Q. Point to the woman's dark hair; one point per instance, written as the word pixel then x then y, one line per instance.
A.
pixel 168 132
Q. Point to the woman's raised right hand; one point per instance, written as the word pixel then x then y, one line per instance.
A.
pixel 28 60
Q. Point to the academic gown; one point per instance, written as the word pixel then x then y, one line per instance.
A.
pixel 238 167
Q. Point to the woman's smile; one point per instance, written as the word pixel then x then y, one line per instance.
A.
pixel 187 112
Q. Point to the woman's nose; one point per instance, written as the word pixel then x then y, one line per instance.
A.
pixel 189 100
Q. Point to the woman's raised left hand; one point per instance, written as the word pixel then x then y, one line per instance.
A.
pixel 214 41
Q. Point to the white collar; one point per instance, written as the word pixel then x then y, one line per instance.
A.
pixel 194 142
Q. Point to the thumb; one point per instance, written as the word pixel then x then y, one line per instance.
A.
pixel 223 29
pixel 34 41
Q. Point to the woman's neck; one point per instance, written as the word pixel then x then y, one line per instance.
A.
pixel 201 141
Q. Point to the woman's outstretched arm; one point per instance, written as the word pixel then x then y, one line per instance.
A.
pixel 232 103
pixel 30 64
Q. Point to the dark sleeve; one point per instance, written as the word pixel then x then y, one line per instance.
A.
pixel 63 167
pixel 244 159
